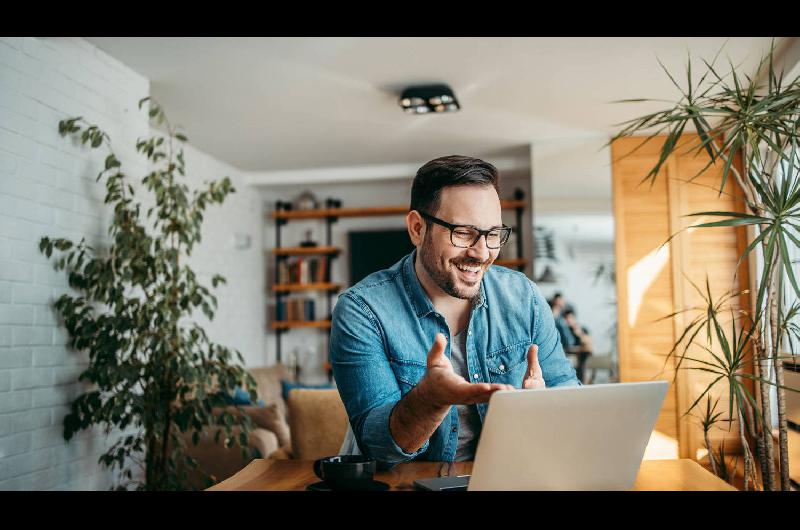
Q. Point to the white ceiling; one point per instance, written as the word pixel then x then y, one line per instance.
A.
pixel 269 104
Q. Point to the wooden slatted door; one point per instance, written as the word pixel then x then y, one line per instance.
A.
pixel 655 280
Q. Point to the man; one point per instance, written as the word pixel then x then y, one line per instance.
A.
pixel 418 349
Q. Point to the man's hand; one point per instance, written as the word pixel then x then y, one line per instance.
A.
pixel 533 377
pixel 442 387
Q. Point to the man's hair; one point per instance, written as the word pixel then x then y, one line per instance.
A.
pixel 568 312
pixel 440 173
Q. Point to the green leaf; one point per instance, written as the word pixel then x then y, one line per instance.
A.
pixel 784 254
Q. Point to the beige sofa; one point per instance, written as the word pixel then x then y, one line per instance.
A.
pixel 270 435
pixel 312 425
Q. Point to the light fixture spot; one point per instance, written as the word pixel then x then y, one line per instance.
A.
pixel 429 98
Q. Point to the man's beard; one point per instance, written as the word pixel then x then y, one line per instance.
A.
pixel 444 280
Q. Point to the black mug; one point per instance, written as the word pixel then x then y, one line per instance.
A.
pixel 345 472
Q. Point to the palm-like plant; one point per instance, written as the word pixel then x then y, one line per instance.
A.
pixel 733 114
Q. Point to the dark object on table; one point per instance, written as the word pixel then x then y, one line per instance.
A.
pixel 373 485
pixel 346 472
pixel 457 483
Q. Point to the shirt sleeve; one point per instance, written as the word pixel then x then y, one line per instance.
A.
pixel 365 380
pixel 556 368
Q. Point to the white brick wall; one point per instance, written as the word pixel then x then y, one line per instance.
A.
pixel 47 187
pixel 240 319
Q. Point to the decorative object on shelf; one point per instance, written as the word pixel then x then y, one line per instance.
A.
pixel 332 203
pixel 283 206
pixel 306 201
pixel 308 241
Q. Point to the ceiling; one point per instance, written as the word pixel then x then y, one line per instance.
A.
pixel 270 104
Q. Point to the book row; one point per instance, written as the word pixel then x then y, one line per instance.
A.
pixel 299 269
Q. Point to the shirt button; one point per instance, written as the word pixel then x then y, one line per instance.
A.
pixel 454 429
pixel 475 376
pixel 469 332
pixel 502 367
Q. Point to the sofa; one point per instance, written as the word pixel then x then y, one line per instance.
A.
pixel 313 424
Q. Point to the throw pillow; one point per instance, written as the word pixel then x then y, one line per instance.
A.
pixel 287 386
pixel 241 397
pixel 269 417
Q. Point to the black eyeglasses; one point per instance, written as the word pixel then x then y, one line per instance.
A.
pixel 466 236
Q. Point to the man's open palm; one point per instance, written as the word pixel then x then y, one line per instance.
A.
pixel 446 387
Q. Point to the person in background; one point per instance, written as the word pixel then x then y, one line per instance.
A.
pixel 580 343
pixel 557 306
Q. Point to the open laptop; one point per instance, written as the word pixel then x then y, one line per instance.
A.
pixel 563 438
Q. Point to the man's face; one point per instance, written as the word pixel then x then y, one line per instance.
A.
pixel 462 205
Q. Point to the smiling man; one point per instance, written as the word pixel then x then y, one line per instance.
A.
pixel 418 349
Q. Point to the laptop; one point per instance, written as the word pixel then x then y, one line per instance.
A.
pixel 563 438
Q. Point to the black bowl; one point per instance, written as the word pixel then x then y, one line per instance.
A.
pixel 345 471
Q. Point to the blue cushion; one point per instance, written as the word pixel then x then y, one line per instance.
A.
pixel 286 386
pixel 241 397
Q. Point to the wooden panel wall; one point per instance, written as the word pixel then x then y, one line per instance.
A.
pixel 654 281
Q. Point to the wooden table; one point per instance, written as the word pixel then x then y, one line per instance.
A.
pixel 295 475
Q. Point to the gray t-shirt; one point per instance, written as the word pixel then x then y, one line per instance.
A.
pixel 469 420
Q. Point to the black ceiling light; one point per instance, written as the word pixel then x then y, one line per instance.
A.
pixel 428 98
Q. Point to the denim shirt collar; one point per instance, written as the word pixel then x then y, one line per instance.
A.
pixel 419 299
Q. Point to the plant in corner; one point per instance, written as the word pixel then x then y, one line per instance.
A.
pixel 152 369
pixel 734 114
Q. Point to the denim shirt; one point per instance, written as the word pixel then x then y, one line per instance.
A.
pixel 384 326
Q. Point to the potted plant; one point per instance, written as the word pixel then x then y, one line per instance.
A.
pixel 153 370
pixel 734 114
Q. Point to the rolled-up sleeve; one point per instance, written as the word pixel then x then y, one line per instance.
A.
pixel 556 368
pixel 365 380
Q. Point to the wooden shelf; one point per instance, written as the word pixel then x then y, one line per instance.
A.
pixel 287 324
pixel 510 262
pixel 289 287
pixel 297 251
pixel 512 204
pixel 366 212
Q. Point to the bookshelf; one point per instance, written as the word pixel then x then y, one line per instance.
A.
pixel 282 288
